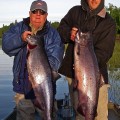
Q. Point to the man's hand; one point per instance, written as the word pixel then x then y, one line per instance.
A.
pixel 73 33
pixel 24 38
pixel 25 35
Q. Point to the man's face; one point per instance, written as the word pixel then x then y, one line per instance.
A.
pixel 93 4
pixel 37 18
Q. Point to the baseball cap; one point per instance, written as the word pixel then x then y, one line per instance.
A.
pixel 39 4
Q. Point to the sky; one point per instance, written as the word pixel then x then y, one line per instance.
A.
pixel 11 10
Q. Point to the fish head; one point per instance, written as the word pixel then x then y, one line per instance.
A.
pixel 83 38
pixel 31 40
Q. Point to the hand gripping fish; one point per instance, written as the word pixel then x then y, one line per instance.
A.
pixel 40 76
pixel 87 75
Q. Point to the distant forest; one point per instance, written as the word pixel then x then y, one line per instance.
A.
pixel 5 27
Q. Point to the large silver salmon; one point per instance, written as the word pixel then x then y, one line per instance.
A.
pixel 87 76
pixel 40 76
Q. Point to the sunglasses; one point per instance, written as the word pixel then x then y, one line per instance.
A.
pixel 38 10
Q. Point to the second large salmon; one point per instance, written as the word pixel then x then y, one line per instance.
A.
pixel 87 76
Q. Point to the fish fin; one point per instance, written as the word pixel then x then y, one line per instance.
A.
pixel 75 83
pixel 55 75
pixel 81 109
pixel 38 105
pixel 82 104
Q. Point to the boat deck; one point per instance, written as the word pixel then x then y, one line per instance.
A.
pixel 113 114
pixel 65 111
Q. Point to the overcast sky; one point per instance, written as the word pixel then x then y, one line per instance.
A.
pixel 11 10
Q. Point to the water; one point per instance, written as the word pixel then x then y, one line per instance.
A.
pixel 7 103
pixel 6 93
pixel 114 90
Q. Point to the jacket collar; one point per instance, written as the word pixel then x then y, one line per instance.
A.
pixel 33 30
pixel 42 31
pixel 102 13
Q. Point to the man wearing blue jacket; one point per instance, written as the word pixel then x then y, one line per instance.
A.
pixel 14 44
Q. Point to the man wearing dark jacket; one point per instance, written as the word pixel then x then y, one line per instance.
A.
pixel 90 16
pixel 14 44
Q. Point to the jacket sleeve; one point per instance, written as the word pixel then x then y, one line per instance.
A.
pixel 54 50
pixel 105 44
pixel 67 22
pixel 12 41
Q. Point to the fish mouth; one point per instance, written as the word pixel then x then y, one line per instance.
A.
pixel 31 40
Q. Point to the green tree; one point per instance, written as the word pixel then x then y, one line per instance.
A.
pixel 55 24
pixel 115 13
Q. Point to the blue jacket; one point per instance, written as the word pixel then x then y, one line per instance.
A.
pixel 13 45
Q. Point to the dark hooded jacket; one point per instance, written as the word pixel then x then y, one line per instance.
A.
pixel 103 31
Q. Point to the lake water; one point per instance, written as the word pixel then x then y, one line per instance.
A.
pixel 6 92
pixel 114 90
pixel 7 95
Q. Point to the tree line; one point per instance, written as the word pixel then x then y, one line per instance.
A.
pixel 115 13
pixel 6 27
pixel 112 10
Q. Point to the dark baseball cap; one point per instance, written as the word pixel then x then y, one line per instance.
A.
pixel 39 4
